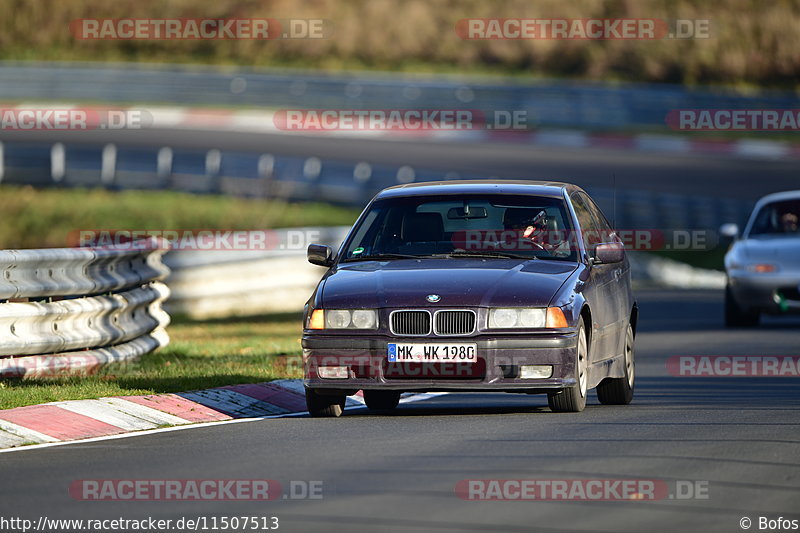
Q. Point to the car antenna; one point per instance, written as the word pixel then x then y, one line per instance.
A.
pixel 614 194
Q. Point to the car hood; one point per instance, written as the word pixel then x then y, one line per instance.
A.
pixel 468 282
pixel 780 249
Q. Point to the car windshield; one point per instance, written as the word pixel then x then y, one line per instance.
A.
pixel 492 226
pixel 778 218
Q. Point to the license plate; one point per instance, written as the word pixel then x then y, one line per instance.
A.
pixel 432 353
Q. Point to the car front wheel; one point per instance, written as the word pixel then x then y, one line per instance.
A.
pixel 735 316
pixel 573 399
pixel 324 405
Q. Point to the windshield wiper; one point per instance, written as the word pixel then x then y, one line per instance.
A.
pixel 373 257
pixel 491 253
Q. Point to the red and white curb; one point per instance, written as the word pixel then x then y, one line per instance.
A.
pixel 87 419
pixel 262 121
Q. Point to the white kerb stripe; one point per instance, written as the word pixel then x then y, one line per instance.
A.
pixel 7 440
pixel 28 434
pixel 146 413
pixel 106 413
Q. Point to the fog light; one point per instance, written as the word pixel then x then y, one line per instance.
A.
pixel 333 372
pixel 535 371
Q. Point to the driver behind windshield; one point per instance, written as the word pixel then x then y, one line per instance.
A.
pixel 789 223
pixel 777 218
pixel 541 230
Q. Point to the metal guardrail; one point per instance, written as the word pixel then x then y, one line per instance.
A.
pixel 77 271
pixel 215 284
pixel 79 362
pixel 106 300
pixel 309 179
pixel 39 328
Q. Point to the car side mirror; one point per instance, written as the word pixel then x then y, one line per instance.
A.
pixel 608 252
pixel 729 230
pixel 319 254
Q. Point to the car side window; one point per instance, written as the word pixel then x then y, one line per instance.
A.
pixel 583 213
pixel 607 233
pixel 590 229
pixel 602 221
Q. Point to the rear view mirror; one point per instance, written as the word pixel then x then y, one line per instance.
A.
pixel 318 254
pixel 729 230
pixel 609 252
pixel 466 213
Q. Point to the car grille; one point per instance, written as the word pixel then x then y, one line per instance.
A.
pixel 411 322
pixel 454 322
pixel 446 322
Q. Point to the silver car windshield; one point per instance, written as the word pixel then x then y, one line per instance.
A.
pixel 777 218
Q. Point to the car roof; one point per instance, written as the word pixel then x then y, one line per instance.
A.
pixel 552 189
pixel 778 197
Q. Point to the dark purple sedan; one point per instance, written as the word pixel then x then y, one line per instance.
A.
pixel 512 286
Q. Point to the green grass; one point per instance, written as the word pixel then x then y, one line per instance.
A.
pixel 42 218
pixel 712 259
pixel 200 355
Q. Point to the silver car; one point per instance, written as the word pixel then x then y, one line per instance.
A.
pixel 763 265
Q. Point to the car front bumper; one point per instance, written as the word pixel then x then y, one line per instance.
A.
pixel 496 368
pixel 775 293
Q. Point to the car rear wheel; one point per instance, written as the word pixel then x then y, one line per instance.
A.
pixel 573 399
pixel 619 391
pixel 381 400
pixel 735 316
pixel 324 405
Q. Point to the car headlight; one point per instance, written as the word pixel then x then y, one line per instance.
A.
pixel 337 318
pixel 365 319
pixel 517 317
pixel 343 319
pixel 527 317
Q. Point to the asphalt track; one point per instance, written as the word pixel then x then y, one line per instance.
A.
pixel 700 174
pixel 740 437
